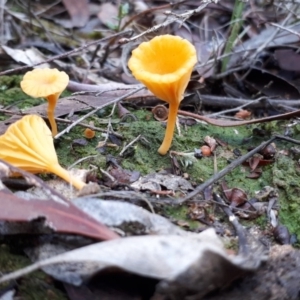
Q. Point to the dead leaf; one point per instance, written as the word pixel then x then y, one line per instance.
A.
pixel 59 217
pixel 271 84
pixel 108 14
pixel 54 212
pixel 28 57
pixel 78 11
pixel 197 263
pixel 288 59
pixel 157 182
pixel 129 218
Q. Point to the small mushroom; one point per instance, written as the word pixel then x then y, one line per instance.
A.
pixel 89 133
pixel 28 145
pixel 46 83
pixel 164 65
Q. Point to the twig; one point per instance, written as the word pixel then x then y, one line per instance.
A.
pixel 147 11
pixel 200 188
pixel 272 36
pixel 59 56
pixel 130 144
pixel 240 232
pixel 172 17
pixel 60 120
pixel 110 177
pixel 286 29
pixel 206 99
pixel 81 160
pixel 96 109
pixel 222 112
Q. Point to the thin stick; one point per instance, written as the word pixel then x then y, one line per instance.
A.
pixel 130 144
pixel 200 188
pixel 96 109
pixel 172 17
pixel 59 56
pixel 60 120
pixel 240 232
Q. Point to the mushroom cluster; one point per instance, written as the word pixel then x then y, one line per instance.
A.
pixel 46 83
pixel 28 145
pixel 164 65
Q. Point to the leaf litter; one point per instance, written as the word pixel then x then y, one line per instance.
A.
pixel 246 83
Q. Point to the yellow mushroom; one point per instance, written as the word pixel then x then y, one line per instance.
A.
pixel 164 65
pixel 89 133
pixel 46 83
pixel 28 145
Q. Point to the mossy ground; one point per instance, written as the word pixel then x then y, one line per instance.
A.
pixel 282 174
pixel 35 286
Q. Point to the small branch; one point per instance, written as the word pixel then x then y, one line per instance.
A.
pixel 95 110
pixel 240 232
pixel 59 56
pixel 172 17
pixel 130 144
pixel 200 188
pixel 60 120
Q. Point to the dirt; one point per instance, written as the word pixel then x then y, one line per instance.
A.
pixel 278 279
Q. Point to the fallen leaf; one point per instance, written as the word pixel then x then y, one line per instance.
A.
pixel 59 217
pixel 54 212
pixel 78 11
pixel 158 181
pixel 28 57
pixel 197 263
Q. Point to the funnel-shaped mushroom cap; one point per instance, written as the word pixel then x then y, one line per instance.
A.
pixel 164 65
pixel 46 83
pixel 28 145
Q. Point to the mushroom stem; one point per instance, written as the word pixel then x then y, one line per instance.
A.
pixel 64 174
pixel 166 144
pixel 52 99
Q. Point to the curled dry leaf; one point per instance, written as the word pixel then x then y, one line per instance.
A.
pixel 61 217
pixel 129 218
pixel 197 263
pixel 238 197
pixel 160 112
pixel 211 142
pixel 157 181
pixel 269 151
pixel 282 234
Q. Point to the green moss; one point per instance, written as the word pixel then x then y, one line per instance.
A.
pixel 146 158
pixel 180 213
pixel 68 152
pixel 286 177
pixel 34 286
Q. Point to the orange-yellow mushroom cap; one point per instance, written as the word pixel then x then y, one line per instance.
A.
pixel 28 145
pixel 89 133
pixel 164 65
pixel 46 83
